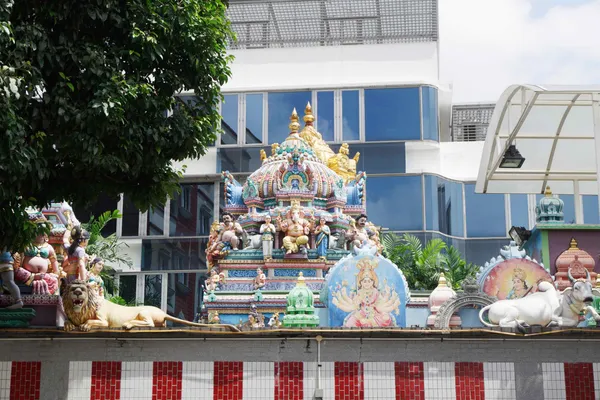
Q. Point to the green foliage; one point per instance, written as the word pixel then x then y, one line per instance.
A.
pixel 84 89
pixel 121 301
pixel 422 265
pixel 109 248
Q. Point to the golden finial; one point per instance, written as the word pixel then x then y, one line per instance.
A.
pixel 308 115
pixel 294 125
pixel 548 192
pixel 573 244
pixel 442 282
pixel 301 281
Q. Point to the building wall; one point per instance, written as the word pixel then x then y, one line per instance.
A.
pixel 286 369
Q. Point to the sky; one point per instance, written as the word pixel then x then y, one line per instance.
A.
pixel 488 45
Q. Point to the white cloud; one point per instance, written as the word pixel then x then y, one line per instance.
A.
pixel 488 45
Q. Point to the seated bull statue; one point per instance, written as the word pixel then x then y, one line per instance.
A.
pixel 546 307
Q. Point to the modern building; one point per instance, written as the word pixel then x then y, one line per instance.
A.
pixel 370 70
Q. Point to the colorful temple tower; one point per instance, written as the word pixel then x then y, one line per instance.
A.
pixel 301 211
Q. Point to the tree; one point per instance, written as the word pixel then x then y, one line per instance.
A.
pixel 422 266
pixel 108 248
pixel 85 87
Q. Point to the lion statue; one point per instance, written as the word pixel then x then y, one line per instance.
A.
pixel 86 310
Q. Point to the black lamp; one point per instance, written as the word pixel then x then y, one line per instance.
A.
pixel 519 234
pixel 512 158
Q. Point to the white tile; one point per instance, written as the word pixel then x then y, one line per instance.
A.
pixel 259 381
pixel 554 381
pixel 327 381
pixel 197 380
pixel 136 380
pixel 379 380
pixel 5 372
pixel 499 381
pixel 309 379
pixel 80 380
pixel 439 381
pixel 597 380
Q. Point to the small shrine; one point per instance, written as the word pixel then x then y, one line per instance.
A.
pixel 300 310
pixel 573 263
pixel 441 294
pixel 298 214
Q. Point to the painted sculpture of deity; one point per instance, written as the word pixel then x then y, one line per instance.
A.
pixel 94 278
pixel 8 279
pixel 75 241
pixel 214 281
pixel 322 235
pixel 214 248
pixel 343 165
pixel 296 231
pixel 361 233
pixel 39 267
pixel 230 232
pixel 260 280
pixel 267 230
pixel 369 306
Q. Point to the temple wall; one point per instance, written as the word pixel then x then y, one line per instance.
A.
pixel 264 368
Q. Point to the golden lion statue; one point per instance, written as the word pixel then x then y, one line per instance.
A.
pixel 86 310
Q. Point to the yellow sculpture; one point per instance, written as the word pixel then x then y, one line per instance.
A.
pixel 314 138
pixel 296 230
pixel 274 148
pixel 263 155
pixel 85 310
pixel 343 165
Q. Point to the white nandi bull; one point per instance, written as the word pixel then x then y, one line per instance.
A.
pixel 545 307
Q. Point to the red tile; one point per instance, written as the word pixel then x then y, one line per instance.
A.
pixel 228 380
pixel 579 381
pixel 349 381
pixel 469 381
pixel 289 381
pixel 410 383
pixel 106 380
pixel 25 380
pixel 166 380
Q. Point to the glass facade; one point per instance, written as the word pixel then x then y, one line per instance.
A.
pixel 254 118
pixel 325 122
pixel 485 207
pixel 395 202
pixel 429 110
pixel 229 120
pixel 590 209
pixel 350 115
pixel 519 210
pixel 444 206
pixel 280 109
pixel 192 210
pixel 392 114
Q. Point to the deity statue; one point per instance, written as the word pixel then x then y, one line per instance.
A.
pixel 260 279
pixel 213 317
pixel 314 138
pixel 39 268
pixel 75 241
pixel 230 232
pixel 274 148
pixel 267 230
pixel 359 233
pixel 214 248
pixel 214 281
pixel 274 321
pixel 369 306
pixel 343 165
pixel 263 155
pixel 322 234
pixel 296 229
pixel 94 278
pixel 8 280
pixel 256 320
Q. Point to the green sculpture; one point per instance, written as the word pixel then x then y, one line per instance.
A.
pixel 300 312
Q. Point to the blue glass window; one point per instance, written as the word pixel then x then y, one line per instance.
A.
pixel 156 221
pixel 519 210
pixel 444 206
pixel 184 294
pixel 192 210
pixel 429 96
pixel 153 290
pixel 395 202
pixel 590 209
pixel 350 115
pixel 324 122
pixel 229 119
pixel 392 114
pixel 254 118
pixel 281 105
pixel 486 216
pixel 239 159
pixel 131 218
pixel 568 209
pixel 173 254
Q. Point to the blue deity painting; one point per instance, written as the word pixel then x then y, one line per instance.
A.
pixel 366 291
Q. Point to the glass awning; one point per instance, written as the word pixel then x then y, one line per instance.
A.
pixel 556 129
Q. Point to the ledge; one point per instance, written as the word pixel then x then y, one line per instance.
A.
pixel 574 334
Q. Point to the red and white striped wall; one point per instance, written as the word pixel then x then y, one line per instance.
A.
pixel 226 380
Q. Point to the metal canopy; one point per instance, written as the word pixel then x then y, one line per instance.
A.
pixel 556 129
pixel 301 23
